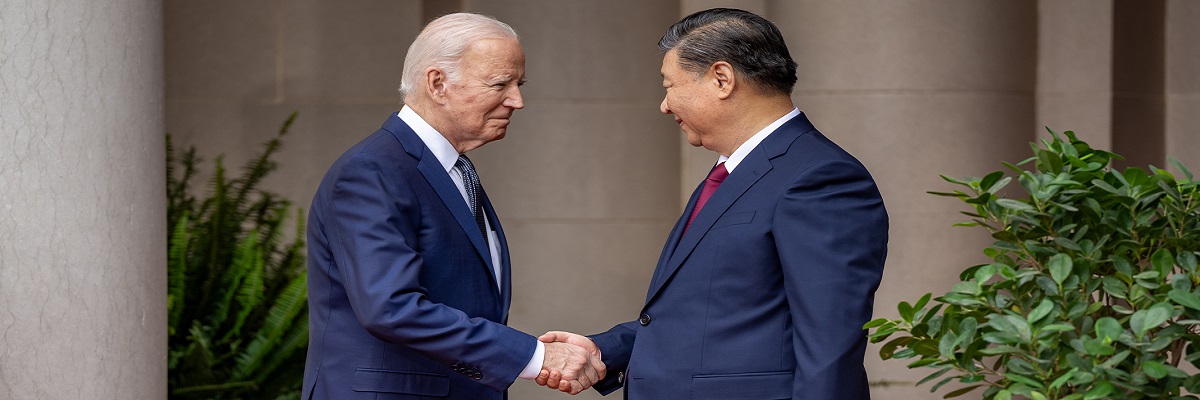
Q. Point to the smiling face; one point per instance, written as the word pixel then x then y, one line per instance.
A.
pixel 484 93
pixel 690 100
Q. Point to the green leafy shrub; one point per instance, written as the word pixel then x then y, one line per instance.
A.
pixel 237 308
pixel 1092 292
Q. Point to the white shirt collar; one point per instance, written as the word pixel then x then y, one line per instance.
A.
pixel 742 151
pixel 437 144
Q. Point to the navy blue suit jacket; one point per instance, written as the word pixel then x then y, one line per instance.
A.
pixel 765 295
pixel 402 301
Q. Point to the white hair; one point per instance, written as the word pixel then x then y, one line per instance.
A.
pixel 442 43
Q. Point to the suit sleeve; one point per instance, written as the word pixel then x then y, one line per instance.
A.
pixel 615 347
pixel 371 229
pixel 831 233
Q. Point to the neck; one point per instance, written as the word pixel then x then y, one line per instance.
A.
pixel 752 114
pixel 426 110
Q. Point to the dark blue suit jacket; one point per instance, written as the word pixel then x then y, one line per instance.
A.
pixel 765 295
pixel 402 301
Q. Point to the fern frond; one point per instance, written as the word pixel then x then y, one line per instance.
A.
pixel 289 303
pixel 296 339
pixel 249 295
pixel 258 168
pixel 177 266
pixel 244 259
pixel 215 236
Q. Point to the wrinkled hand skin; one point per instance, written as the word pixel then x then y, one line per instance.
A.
pixel 573 366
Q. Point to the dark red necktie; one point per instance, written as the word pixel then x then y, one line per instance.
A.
pixel 715 178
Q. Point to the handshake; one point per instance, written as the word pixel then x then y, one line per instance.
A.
pixel 572 362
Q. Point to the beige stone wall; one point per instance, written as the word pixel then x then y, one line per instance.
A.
pixel 82 201
pixel 1183 83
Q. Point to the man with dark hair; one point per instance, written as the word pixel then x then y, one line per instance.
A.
pixel 765 282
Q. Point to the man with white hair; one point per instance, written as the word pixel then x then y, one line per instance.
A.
pixel 408 269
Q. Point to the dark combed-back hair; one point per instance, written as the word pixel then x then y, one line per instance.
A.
pixel 748 42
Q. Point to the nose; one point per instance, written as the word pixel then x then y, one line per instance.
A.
pixel 663 107
pixel 514 99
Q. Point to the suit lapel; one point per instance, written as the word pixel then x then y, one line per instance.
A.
pixel 437 177
pixel 672 242
pixel 505 266
pixel 751 169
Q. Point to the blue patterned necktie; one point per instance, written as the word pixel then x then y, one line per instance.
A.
pixel 474 191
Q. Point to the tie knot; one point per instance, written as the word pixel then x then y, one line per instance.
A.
pixel 464 163
pixel 718 174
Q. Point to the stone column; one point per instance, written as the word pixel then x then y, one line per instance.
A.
pixel 1182 83
pixel 82 200
pixel 1139 82
pixel 915 89
pixel 586 182
pixel 1074 72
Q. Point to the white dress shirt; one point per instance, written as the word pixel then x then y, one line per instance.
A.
pixel 448 156
pixel 742 151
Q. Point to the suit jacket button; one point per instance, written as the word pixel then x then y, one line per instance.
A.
pixel 644 320
pixel 477 376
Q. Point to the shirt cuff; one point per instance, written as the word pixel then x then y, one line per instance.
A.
pixel 535 364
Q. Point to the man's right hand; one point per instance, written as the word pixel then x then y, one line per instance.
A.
pixel 579 358
pixel 569 367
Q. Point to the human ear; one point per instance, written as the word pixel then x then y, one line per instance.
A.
pixel 723 78
pixel 435 84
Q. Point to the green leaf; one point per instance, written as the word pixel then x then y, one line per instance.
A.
pixel 1138 323
pixel 1060 266
pixel 1154 369
pixel 1123 265
pixel 906 311
pixel 934 375
pixel 985 273
pixel 1186 172
pixel 875 323
pixel 997 350
pixel 1098 347
pixel 1108 328
pixel 1185 298
pixel 1062 379
pixel 1163 261
pixel 1114 360
pixel 1187 260
pixel 1020 366
pixel 1027 381
pixel 961 391
pixel 990 179
pixel 923 362
pixel 922 301
pixel 1043 309
pixel 1114 287
pixel 1057 328
pixel 946 345
pixel 1108 188
pixel 1014 205
pixel 1099 391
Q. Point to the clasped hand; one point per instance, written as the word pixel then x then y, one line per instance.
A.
pixel 572 363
